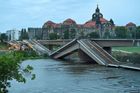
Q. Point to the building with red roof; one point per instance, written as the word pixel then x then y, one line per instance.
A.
pixel 131 28
pixel 69 22
pixel 97 23
pixel 130 24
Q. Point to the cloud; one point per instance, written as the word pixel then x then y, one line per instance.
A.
pixel 26 13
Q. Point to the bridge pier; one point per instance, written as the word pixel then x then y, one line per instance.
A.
pixel 50 47
pixel 84 57
pixel 108 49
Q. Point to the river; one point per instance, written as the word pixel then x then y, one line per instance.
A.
pixel 73 77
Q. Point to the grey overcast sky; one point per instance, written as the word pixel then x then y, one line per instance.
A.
pixel 33 13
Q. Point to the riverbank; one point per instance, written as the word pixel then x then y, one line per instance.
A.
pixel 127 54
pixel 3 46
pixel 127 49
pixel 127 57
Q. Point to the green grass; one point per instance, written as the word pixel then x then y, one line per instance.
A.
pixel 128 49
pixel 3 46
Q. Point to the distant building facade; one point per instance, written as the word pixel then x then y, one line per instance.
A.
pixel 35 33
pixel 69 29
pixel 97 23
pixel 13 34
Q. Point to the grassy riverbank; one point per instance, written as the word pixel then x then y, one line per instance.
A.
pixel 127 49
pixel 127 54
pixel 3 46
pixel 127 57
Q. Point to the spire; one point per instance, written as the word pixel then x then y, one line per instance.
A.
pixel 97 9
pixel 97 15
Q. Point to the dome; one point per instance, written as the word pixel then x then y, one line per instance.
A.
pixel 69 22
pixel 49 23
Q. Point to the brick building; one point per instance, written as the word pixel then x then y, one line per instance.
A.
pixel 97 24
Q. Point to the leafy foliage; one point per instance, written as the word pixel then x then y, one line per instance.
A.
pixel 66 34
pixel 121 32
pixel 72 33
pixel 53 36
pixel 24 34
pixel 127 57
pixel 138 32
pixel 3 37
pixel 10 69
pixel 93 35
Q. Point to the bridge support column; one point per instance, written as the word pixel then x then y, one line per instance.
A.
pixel 84 57
pixel 50 47
pixel 108 49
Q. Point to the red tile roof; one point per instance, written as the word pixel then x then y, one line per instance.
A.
pixel 90 24
pixel 49 23
pixel 69 22
pixel 130 24
pixel 57 25
pixel 103 20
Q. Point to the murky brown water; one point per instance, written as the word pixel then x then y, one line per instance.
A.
pixel 72 77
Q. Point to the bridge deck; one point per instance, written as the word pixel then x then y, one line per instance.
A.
pixel 91 48
pixel 101 42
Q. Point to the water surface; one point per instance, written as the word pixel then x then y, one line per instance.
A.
pixel 72 77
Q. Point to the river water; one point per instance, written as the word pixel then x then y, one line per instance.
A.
pixel 73 77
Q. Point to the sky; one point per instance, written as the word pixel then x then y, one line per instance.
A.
pixel 18 14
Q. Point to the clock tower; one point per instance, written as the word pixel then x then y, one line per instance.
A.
pixel 97 15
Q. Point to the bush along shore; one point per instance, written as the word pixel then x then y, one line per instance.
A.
pixel 10 68
pixel 127 57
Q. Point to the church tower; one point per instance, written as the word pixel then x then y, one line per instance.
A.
pixel 97 15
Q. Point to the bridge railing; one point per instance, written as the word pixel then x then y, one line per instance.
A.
pixel 92 52
pixel 42 47
pixel 104 53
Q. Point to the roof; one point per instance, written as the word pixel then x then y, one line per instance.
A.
pixel 57 25
pixel 103 20
pixel 49 23
pixel 69 21
pixel 130 24
pixel 90 24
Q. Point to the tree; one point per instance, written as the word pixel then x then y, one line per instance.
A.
pixel 3 37
pixel 53 36
pixel 10 69
pixel 24 34
pixel 121 32
pixel 93 35
pixel 138 32
pixel 81 34
pixel 72 33
pixel 66 34
pixel 107 34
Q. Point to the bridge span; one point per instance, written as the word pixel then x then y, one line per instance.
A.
pixel 37 47
pixel 101 42
pixel 88 50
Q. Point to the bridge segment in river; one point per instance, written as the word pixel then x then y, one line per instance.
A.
pixel 96 51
